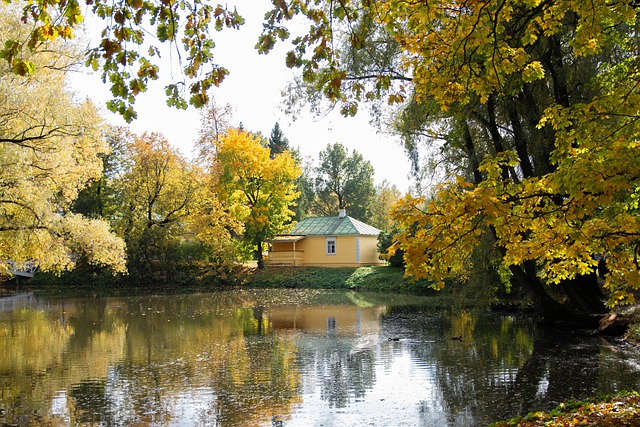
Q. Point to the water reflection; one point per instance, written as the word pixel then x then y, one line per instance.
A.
pixel 287 358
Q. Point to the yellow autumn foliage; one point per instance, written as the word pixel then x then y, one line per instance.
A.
pixel 258 190
pixel 549 94
pixel 50 148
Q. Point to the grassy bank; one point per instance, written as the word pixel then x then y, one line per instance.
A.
pixel 190 278
pixel 378 279
pixel 171 279
pixel 619 410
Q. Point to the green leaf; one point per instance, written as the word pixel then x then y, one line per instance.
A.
pixel 22 67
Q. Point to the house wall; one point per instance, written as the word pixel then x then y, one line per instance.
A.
pixel 369 250
pixel 312 251
pixel 314 248
pixel 281 246
pixel 315 251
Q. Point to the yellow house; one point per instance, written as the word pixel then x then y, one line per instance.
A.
pixel 328 241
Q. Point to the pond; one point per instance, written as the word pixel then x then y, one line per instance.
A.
pixel 289 358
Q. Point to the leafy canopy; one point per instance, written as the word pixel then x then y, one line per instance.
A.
pixel 129 50
pixel 50 149
pixel 585 204
pixel 258 190
pixel 344 181
pixel 540 97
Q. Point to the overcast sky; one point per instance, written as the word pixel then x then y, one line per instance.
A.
pixel 254 88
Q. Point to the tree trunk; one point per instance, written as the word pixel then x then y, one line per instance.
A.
pixel 471 152
pixel 543 303
pixel 584 308
pixel 519 139
pixel 260 260
pixel 555 64
pixel 585 294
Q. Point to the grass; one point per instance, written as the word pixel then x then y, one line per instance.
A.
pixel 376 279
pixel 192 279
pixel 622 409
pixel 379 279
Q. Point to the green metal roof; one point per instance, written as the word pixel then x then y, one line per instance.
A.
pixel 332 226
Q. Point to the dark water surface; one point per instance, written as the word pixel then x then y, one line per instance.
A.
pixel 288 358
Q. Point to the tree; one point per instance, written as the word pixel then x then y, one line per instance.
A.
pixel 385 241
pixel 257 189
pixel 160 203
pixel 386 196
pixel 305 186
pixel 215 120
pixel 213 228
pixel 129 47
pixel 99 199
pixel 158 194
pixel 540 98
pixel 344 181
pixel 50 148
pixel 278 143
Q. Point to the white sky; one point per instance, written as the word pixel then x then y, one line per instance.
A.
pixel 253 88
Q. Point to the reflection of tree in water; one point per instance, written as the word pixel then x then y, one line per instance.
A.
pixel 49 353
pixel 258 382
pixel 89 403
pixel 225 351
pixel 341 374
pixel 143 360
pixel 488 368
pixel 473 362
pixel 569 363
pixel 477 364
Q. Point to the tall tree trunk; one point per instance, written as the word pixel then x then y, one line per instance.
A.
pixel 471 152
pixel 519 139
pixel 585 302
pixel 584 308
pixel 543 139
pixel 260 259
pixel 543 303
pixel 491 125
pixel 584 294
pixel 553 60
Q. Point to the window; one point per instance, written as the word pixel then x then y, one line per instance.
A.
pixel 331 245
pixel 332 325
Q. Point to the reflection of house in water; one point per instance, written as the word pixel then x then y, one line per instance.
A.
pixel 335 345
pixel 17 301
pixel 334 320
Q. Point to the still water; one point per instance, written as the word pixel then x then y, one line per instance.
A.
pixel 288 358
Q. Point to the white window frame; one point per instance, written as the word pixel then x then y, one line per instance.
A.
pixel 331 243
